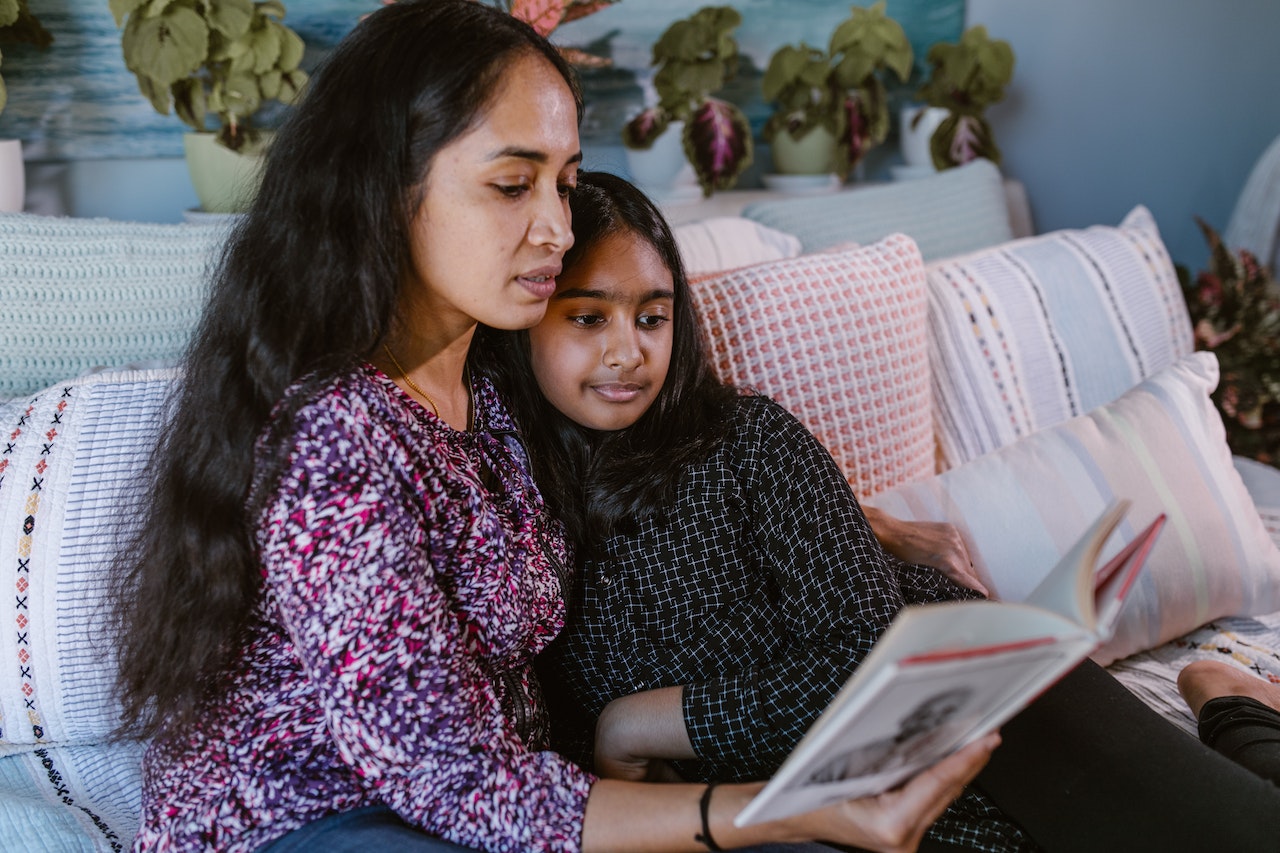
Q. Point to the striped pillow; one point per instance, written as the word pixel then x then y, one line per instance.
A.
pixel 947 213
pixel 69 481
pixel 1161 445
pixel 1029 333
pixel 838 339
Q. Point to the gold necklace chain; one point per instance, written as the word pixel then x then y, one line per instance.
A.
pixel 414 385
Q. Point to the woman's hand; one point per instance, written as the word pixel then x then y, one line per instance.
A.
pixel 896 820
pixel 929 543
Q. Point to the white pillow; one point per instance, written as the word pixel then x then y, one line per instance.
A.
pixel 1032 332
pixel 728 242
pixel 69 491
pixel 1162 445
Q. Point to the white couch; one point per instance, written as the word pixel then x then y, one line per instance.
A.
pixel 1041 374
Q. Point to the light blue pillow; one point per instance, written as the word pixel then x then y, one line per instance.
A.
pixel 82 293
pixel 949 213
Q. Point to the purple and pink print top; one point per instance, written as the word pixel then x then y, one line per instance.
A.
pixel 410 575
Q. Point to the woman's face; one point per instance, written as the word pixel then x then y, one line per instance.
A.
pixel 493 225
pixel 601 353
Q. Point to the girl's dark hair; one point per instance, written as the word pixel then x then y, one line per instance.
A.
pixel 308 281
pixel 597 482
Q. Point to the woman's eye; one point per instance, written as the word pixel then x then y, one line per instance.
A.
pixel 513 190
pixel 565 189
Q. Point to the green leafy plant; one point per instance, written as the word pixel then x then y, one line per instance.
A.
pixel 965 78
pixel 19 26
pixel 1235 310
pixel 225 57
pixel 695 57
pixel 841 89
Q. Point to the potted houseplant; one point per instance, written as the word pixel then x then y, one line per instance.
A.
pixel 695 56
pixel 227 58
pixel 17 25
pixel 964 79
pixel 1234 306
pixel 834 101
pixel 546 15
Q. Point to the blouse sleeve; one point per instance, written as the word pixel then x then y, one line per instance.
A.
pixel 346 552
pixel 837 591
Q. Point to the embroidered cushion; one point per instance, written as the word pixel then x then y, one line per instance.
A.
pixel 838 339
pixel 61 799
pixel 69 466
pixel 82 293
pixel 946 213
pixel 727 242
pixel 1032 332
pixel 1162 445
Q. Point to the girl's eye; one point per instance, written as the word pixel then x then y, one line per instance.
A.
pixel 586 320
pixel 652 321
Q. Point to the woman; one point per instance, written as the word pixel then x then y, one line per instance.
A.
pixel 729 583
pixel 344 573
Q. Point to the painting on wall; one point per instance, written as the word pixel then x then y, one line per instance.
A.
pixel 76 101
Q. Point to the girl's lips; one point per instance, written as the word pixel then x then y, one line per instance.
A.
pixel 617 392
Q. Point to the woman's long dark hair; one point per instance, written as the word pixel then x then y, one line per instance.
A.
pixel 599 482
pixel 309 281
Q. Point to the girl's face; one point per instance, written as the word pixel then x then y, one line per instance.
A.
pixel 601 353
pixel 493 225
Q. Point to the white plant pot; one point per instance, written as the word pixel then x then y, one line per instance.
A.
pixel 225 181
pixel 661 170
pixel 13 176
pixel 914 142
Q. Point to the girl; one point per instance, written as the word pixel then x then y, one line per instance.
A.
pixel 729 583
pixel 345 571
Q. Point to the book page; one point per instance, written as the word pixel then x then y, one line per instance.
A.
pixel 1069 588
pixel 911 716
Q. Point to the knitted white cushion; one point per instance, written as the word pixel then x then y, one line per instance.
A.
pixel 838 338
pixel 83 293
pixel 947 213
pixel 1027 334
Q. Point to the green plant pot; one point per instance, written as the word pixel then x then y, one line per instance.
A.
pixel 225 181
pixel 813 154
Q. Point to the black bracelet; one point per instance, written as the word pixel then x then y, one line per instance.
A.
pixel 704 806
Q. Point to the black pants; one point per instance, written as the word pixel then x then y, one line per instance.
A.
pixel 1089 767
pixel 1244 730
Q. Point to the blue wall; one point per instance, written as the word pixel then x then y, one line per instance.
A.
pixel 1113 103
pixel 1121 102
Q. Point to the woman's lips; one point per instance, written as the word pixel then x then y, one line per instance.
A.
pixel 541 283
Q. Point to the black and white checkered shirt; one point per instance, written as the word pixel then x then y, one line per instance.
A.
pixel 760 591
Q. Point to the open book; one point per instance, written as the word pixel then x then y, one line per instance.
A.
pixel 943 675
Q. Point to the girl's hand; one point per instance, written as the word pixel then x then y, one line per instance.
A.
pixel 928 543
pixel 635 733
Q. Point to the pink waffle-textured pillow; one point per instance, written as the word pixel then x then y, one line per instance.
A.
pixel 839 338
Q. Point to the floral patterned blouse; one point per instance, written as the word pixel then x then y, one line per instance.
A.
pixel 410 574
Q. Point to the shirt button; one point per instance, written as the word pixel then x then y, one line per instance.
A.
pixel 606 580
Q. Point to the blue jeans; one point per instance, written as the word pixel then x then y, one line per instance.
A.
pixel 376 828
pixel 365 830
